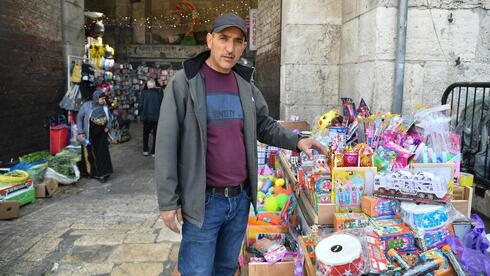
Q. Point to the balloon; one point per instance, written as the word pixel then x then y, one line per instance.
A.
pixel 281 200
pixel 271 204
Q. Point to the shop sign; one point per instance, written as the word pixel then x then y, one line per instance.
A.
pixel 253 30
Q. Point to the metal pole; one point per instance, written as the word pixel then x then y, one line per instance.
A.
pixel 400 57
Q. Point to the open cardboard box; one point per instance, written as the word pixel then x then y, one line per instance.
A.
pixel 463 199
pixel 47 188
pixel 261 269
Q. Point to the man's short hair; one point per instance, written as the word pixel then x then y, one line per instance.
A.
pixel 150 83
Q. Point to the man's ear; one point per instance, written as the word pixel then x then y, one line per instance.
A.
pixel 245 45
pixel 209 40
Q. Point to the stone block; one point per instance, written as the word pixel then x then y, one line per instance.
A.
pixel 311 44
pixel 413 88
pixel 305 112
pixel 141 253
pixel 483 43
pixel 89 254
pixel 349 51
pixel 448 40
pixel 72 269
pixel 386 33
pixel 367 36
pixel 147 269
pixel 112 239
pixel 140 238
pixel 309 84
pixel 312 12
pixel 368 5
pixel 41 249
pixel 167 235
pixel 349 10
pixel 99 268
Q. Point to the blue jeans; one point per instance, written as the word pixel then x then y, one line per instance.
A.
pixel 214 248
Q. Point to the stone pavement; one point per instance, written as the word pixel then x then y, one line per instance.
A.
pixel 94 229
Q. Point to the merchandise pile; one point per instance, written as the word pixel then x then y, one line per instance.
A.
pixel 36 175
pixel 379 202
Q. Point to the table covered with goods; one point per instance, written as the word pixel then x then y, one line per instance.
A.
pixel 389 198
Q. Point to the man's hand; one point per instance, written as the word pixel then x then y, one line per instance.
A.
pixel 307 144
pixel 168 218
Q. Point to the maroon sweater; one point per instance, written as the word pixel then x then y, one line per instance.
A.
pixel 226 163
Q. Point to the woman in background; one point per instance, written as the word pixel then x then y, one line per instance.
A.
pixel 93 121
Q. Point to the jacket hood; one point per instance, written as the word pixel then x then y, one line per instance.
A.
pixel 193 65
pixel 97 94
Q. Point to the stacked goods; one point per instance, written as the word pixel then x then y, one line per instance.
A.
pixel 388 181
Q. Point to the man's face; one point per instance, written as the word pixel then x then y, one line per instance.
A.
pixel 226 48
pixel 102 101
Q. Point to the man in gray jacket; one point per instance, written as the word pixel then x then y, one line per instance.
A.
pixel 206 158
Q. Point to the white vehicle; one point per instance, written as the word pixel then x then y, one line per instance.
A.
pixel 422 184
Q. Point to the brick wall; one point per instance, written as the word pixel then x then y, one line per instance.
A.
pixel 32 76
pixel 268 59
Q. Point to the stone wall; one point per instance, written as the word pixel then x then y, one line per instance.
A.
pixel 310 56
pixel 367 59
pixel 32 73
pixel 268 61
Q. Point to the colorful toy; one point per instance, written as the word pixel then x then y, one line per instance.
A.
pixel 403 184
pixel 348 186
pixel 447 251
pixel 399 237
pixel 344 221
pixel 267 184
pixel 260 197
pixel 429 239
pixel 399 260
pixel 270 204
pixel 436 254
pixel 424 216
pixel 376 207
pixel 340 254
pixel 380 222
pixel 376 255
pixel 281 200
pixel 323 186
pixel 280 182
pixel 424 268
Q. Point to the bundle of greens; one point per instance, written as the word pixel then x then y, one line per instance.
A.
pixel 34 157
pixel 62 164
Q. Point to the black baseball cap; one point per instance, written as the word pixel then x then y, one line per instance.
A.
pixel 229 20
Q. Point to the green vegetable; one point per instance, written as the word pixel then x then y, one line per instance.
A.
pixel 62 164
pixel 34 157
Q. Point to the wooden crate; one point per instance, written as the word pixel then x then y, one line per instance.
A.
pixel 463 199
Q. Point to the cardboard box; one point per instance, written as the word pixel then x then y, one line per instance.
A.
pixel 463 199
pixel 344 221
pixel 301 125
pixel 374 206
pixel 47 188
pixel 9 209
pixel 260 269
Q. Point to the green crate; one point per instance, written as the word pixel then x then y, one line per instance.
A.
pixel 24 196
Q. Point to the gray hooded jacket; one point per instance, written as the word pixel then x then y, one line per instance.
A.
pixel 180 163
pixel 85 112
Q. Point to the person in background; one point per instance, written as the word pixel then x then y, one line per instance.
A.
pixel 206 159
pixel 94 121
pixel 149 111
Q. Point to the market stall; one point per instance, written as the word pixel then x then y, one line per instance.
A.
pixel 388 199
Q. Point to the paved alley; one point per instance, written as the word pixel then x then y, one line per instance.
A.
pixel 94 229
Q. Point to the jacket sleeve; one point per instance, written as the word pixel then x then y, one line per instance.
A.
pixel 167 144
pixel 140 103
pixel 80 118
pixel 269 131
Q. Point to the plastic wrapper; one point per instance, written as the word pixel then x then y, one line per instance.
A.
pixel 63 179
pixel 434 128
pixel 342 253
pixel 473 261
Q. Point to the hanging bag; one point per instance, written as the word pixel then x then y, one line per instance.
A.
pixel 76 73
pixel 72 99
